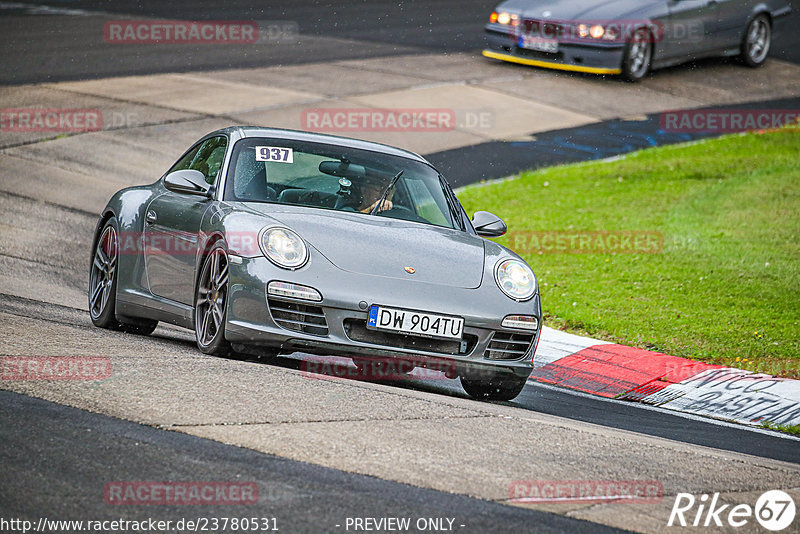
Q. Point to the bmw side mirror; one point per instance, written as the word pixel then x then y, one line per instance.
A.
pixel 488 224
pixel 189 182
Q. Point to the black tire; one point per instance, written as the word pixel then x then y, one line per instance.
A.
pixel 638 56
pixel 103 277
pixel 140 327
pixel 495 385
pixel 211 302
pixel 757 42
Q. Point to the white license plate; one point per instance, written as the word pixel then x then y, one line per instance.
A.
pixel 412 322
pixel 538 44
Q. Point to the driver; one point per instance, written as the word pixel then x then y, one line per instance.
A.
pixel 371 191
pixel 363 195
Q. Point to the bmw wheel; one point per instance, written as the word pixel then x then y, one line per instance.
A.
pixel 757 42
pixel 638 56
pixel 210 303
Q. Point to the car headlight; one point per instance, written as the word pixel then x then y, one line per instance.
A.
pixel 284 248
pixel 505 18
pixel 597 31
pixel 515 279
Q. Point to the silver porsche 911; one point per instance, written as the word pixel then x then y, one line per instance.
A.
pixel 630 37
pixel 291 241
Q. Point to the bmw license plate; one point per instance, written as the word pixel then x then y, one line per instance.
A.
pixel 412 322
pixel 538 44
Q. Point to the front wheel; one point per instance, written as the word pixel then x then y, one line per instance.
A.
pixel 757 42
pixel 210 303
pixel 497 385
pixel 638 56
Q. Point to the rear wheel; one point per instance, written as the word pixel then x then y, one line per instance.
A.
pixel 210 303
pixel 498 385
pixel 638 56
pixel 103 285
pixel 103 277
pixel 757 42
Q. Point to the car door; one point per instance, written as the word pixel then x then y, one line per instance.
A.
pixel 733 15
pixel 172 224
pixel 691 28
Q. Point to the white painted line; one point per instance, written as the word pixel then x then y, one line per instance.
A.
pixel 555 344
pixel 684 415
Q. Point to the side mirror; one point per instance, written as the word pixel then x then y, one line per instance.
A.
pixel 188 182
pixel 488 224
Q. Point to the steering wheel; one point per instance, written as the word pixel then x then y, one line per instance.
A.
pixel 402 213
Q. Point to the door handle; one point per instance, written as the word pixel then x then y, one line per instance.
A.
pixel 150 217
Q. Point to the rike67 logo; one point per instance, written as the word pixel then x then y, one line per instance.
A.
pixel 774 510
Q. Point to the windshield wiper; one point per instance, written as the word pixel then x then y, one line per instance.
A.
pixel 452 203
pixel 386 192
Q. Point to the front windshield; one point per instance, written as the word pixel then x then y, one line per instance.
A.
pixel 331 177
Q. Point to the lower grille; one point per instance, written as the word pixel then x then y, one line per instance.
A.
pixel 356 329
pixel 535 54
pixel 508 346
pixel 298 317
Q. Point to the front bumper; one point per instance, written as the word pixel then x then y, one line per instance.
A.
pixel 576 57
pixel 254 318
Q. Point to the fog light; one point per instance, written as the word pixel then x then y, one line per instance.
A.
pixel 296 291
pixel 521 322
pixel 597 31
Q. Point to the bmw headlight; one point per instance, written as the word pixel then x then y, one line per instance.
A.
pixel 284 248
pixel 516 279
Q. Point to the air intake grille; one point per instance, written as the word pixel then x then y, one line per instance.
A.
pixel 356 330
pixel 508 346
pixel 298 317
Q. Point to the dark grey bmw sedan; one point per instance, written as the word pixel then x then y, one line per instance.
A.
pixel 630 37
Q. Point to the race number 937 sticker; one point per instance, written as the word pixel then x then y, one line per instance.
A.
pixel 274 153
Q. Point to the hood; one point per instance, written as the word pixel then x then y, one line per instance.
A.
pixel 380 246
pixel 574 10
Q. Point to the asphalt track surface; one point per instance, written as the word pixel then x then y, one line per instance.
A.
pixel 64 41
pixel 68 455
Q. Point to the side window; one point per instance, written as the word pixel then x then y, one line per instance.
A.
pixel 207 157
pixel 186 161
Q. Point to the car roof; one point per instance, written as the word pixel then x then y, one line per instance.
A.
pixel 297 135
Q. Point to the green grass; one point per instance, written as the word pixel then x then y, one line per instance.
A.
pixel 786 429
pixel 725 286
